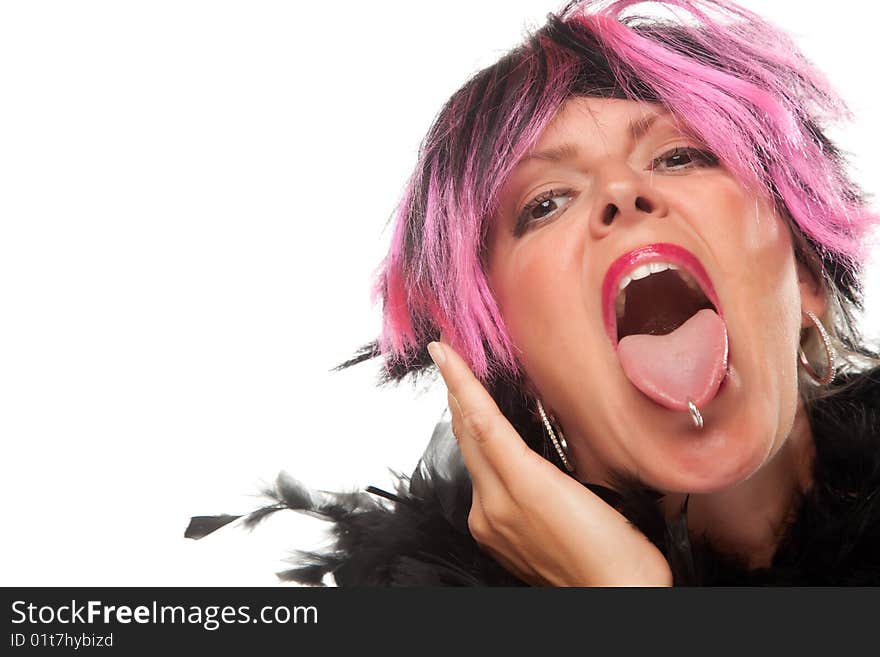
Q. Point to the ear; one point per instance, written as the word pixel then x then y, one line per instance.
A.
pixel 813 295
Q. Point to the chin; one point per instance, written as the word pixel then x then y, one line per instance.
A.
pixel 745 426
pixel 705 477
pixel 725 453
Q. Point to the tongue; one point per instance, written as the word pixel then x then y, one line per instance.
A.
pixel 688 363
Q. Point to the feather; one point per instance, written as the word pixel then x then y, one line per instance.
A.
pixel 292 492
pixel 418 535
pixel 679 552
pixel 254 518
pixel 201 526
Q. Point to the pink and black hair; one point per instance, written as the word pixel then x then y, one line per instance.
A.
pixel 737 82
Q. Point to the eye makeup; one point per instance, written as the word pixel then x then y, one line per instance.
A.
pixel 545 202
pixel 550 204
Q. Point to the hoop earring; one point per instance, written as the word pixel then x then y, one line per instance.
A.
pixel 829 354
pixel 558 443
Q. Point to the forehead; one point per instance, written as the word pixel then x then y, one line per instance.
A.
pixel 587 119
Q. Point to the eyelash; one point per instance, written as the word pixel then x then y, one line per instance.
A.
pixel 524 220
pixel 698 158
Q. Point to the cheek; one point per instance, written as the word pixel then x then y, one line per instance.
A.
pixel 760 271
pixel 537 283
pixel 763 256
pixel 523 289
pixel 753 248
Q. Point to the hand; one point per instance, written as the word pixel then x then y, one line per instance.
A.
pixel 539 523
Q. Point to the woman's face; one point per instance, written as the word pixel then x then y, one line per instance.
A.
pixel 609 177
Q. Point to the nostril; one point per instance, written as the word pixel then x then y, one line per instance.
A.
pixel 644 204
pixel 609 213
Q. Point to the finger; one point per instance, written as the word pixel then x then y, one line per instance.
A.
pixel 482 472
pixel 487 433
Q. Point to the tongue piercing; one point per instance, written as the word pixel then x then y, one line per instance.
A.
pixel 696 418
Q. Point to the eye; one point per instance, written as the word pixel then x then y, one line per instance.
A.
pixel 542 207
pixel 683 157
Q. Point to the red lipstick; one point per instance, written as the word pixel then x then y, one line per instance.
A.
pixel 661 252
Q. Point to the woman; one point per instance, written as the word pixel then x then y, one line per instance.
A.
pixel 634 258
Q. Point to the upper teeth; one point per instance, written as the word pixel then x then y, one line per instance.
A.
pixel 644 270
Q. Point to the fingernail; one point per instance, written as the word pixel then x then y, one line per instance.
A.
pixel 436 353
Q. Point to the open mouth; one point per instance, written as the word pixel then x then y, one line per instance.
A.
pixel 657 298
pixel 653 290
pixel 663 317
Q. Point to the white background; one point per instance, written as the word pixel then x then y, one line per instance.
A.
pixel 193 198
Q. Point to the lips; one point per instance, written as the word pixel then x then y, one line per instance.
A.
pixel 660 252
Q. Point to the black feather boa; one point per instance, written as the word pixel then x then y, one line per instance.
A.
pixel 418 535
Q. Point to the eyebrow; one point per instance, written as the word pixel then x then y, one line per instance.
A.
pixel 637 129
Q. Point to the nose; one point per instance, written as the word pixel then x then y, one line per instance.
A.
pixel 624 197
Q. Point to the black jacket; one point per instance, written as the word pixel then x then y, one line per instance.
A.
pixel 418 535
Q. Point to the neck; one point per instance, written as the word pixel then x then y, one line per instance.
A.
pixel 748 519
